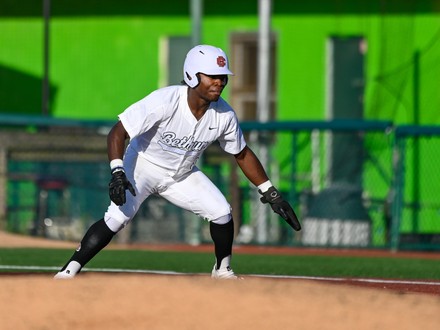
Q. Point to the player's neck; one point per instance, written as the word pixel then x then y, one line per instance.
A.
pixel 197 105
pixel 198 113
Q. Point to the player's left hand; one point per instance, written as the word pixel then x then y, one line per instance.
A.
pixel 280 206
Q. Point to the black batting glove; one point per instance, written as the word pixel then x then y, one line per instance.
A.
pixel 280 206
pixel 117 186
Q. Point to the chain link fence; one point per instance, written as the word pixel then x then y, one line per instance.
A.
pixel 353 184
pixel 416 208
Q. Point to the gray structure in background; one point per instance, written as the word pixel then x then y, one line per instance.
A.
pixel 336 214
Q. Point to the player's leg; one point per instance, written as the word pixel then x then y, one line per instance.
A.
pixel 96 238
pixel 222 234
pixel 208 202
pixel 99 235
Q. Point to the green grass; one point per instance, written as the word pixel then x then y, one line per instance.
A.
pixel 187 262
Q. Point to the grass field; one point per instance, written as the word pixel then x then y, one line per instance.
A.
pixel 46 260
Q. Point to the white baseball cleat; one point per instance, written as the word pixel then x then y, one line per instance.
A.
pixel 69 271
pixel 64 275
pixel 224 274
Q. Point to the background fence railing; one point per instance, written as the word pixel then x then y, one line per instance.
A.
pixel 416 202
pixel 354 184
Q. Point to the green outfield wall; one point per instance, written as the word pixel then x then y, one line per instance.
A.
pixel 102 58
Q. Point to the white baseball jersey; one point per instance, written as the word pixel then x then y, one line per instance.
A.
pixel 166 140
pixel 164 131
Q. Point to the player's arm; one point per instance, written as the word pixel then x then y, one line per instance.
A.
pixel 116 141
pixel 254 171
pixel 251 166
pixel 115 150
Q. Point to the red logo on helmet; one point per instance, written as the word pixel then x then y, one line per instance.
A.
pixel 221 61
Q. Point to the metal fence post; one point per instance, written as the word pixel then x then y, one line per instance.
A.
pixel 3 186
pixel 398 189
pixel 293 195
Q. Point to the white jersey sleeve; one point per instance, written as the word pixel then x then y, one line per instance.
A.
pixel 232 140
pixel 146 113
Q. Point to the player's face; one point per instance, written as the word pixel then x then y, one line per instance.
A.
pixel 211 86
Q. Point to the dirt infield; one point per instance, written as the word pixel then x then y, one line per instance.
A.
pixel 117 301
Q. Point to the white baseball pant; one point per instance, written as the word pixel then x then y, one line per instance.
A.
pixel 194 192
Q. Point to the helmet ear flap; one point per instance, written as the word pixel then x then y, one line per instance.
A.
pixel 192 81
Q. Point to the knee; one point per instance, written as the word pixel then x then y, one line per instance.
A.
pixel 117 218
pixel 114 225
pixel 223 219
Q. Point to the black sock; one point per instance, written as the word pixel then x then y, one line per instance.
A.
pixel 223 237
pixel 96 238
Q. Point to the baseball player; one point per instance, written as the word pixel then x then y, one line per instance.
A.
pixel 168 131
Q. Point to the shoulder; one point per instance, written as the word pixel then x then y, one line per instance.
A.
pixel 223 107
pixel 224 114
pixel 162 99
pixel 167 93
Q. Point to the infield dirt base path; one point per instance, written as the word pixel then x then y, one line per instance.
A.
pixel 174 302
pixel 127 301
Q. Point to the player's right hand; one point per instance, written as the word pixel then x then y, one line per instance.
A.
pixel 117 186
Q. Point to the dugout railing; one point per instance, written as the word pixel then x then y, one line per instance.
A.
pixel 354 184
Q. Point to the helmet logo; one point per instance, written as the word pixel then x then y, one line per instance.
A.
pixel 221 61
